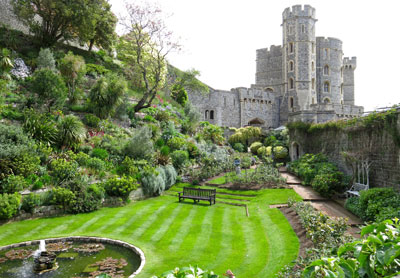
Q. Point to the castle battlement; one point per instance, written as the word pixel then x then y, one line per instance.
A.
pixel 298 10
pixel 274 50
pixel 350 62
pixel 329 42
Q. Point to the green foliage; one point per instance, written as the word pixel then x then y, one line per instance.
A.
pixel 263 151
pixel 9 205
pixel 49 87
pixel 46 59
pixel 153 183
pixel 176 143
pixel 132 167
pixel 96 70
pixel 170 176
pixel 6 63
pixel 107 94
pixel 327 184
pixel 245 135
pixel 255 146
pixel 17 152
pixel 13 184
pixel 72 68
pixel 265 175
pixel 120 186
pixel 179 94
pixel 379 203
pixel 62 197
pixel 212 133
pixel 63 171
pixel 188 80
pixel 238 147
pixel 96 164
pixel 91 120
pixel 71 132
pixel 375 255
pixel 188 272
pixel 140 145
pixel 88 199
pixel 179 159
pixel 353 204
pixel 191 122
pixel 280 152
pixel 100 153
pixel 30 202
pixel 40 127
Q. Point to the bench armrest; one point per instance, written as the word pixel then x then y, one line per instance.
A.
pixel 179 193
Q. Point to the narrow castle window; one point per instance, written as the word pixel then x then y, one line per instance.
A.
pixel 313 48
pixel 291 47
pixel 225 101
pixel 291 83
pixel 326 53
pixel 303 28
pixel 206 115
pixel 212 115
pixel 313 100
pixel 290 29
pixel 327 87
pixel 291 66
pixel 341 89
pixel 291 103
pixel 234 102
pixel 326 70
pixel 312 66
pixel 313 83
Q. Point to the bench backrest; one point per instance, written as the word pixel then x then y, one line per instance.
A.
pixel 360 186
pixel 198 192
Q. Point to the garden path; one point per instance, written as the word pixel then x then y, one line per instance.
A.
pixel 329 207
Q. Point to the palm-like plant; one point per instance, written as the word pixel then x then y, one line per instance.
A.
pixel 40 127
pixel 107 94
pixel 71 131
pixel 6 63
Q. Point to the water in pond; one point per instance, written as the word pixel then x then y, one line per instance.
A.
pixel 71 263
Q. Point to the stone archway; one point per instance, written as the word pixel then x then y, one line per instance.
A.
pixel 256 122
pixel 295 151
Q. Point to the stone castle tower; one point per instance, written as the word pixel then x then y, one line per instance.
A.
pixel 304 79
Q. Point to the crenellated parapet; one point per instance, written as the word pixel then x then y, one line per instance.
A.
pixel 298 11
pixel 350 63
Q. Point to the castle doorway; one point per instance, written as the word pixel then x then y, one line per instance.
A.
pixel 295 151
pixel 256 122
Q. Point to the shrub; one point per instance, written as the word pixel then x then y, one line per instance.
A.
pixel 192 149
pixel 96 70
pixel 82 158
pixel 88 199
pixel 179 159
pixel 373 200
pixel 63 170
pixel 46 59
pixel 170 176
pixel 17 152
pixel 30 202
pixel 255 146
pixel 9 205
pixel 13 184
pixel 40 127
pixel 72 68
pixel 262 151
pixel 246 162
pixel 353 204
pixel 280 152
pixel 71 132
pixel 96 164
pixel 238 147
pixel 62 197
pixel 91 120
pixel 212 133
pixel 140 146
pixel 131 167
pixel 179 94
pixel 328 184
pixel 152 183
pixel 187 272
pixel 176 143
pixel 165 150
pixel 270 140
pixel 100 153
pixel 120 186
pixel 107 94
pixel 50 89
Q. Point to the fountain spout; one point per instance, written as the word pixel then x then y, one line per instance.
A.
pixel 43 260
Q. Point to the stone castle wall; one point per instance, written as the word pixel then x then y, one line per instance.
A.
pixel 8 18
pixel 378 145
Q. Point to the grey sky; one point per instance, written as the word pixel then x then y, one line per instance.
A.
pixel 220 38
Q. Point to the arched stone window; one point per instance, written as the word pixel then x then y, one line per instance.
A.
pixel 291 47
pixel 291 83
pixel 291 66
pixel 326 70
pixel 269 90
pixel 327 100
pixel 313 83
pixel 211 114
pixel 206 115
pixel 327 87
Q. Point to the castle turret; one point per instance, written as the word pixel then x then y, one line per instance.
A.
pixel 349 65
pixel 299 62
pixel 329 66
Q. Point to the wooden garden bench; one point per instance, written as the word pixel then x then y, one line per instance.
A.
pixel 198 194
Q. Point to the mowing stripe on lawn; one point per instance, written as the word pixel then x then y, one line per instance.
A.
pixel 87 224
pixel 33 232
pixel 62 227
pixel 165 224
pixel 137 214
pixel 146 225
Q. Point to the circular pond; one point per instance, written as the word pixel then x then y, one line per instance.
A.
pixel 76 257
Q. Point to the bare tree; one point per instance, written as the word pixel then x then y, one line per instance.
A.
pixel 145 47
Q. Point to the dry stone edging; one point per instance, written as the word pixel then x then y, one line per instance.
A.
pixel 124 244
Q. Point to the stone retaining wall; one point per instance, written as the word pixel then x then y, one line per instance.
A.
pixel 129 246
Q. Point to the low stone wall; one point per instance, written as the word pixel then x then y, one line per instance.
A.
pixel 129 246
pixel 377 143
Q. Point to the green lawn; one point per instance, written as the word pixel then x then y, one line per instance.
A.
pixel 170 233
pixel 222 179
